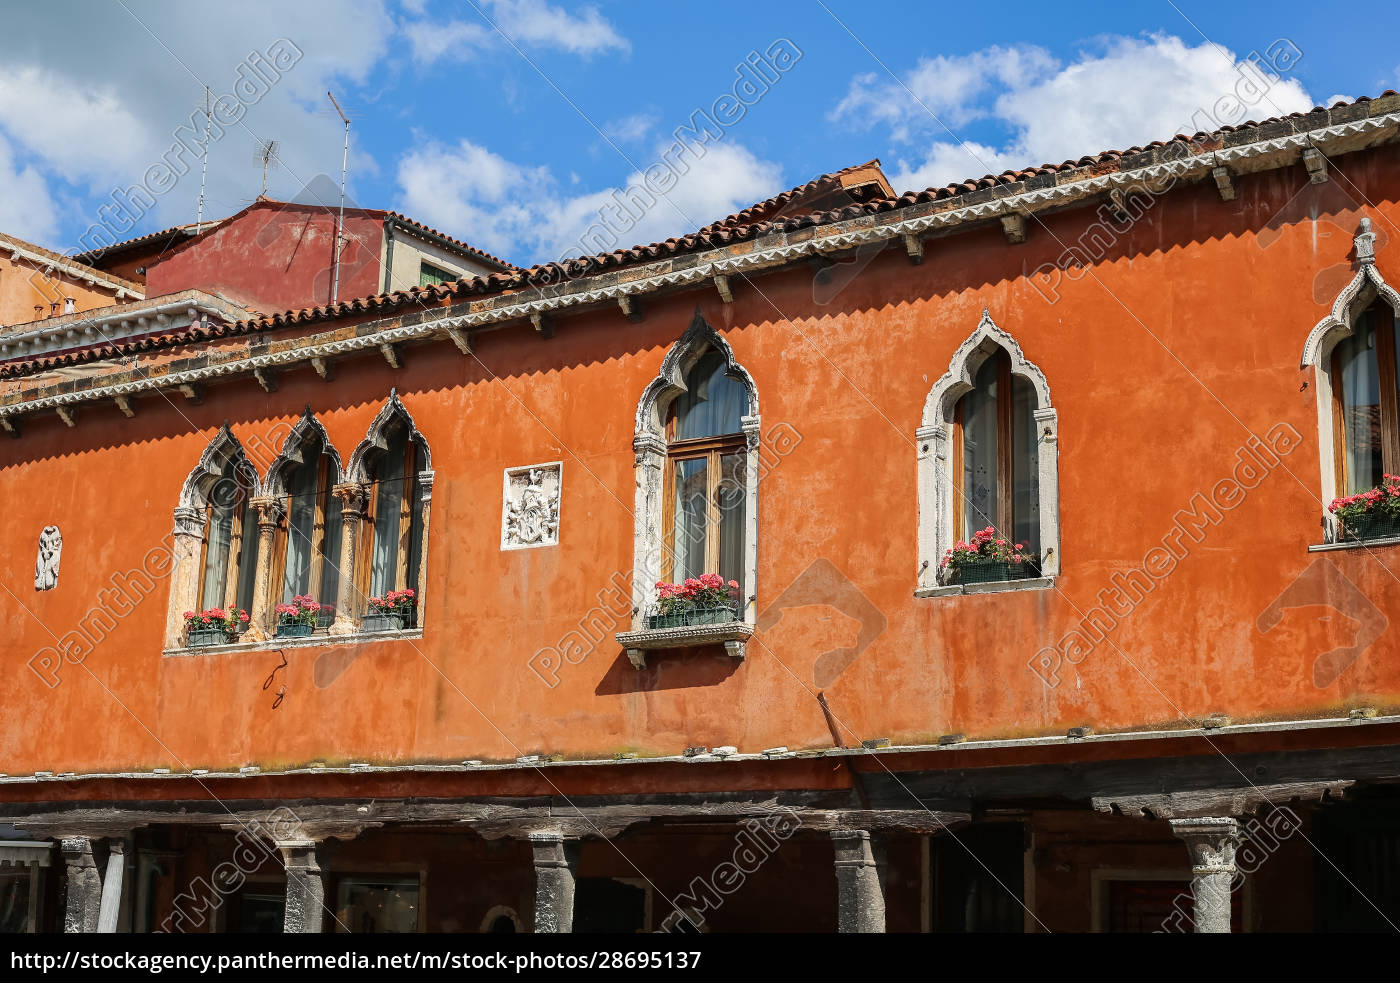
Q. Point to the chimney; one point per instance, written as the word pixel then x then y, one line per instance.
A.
pixel 69 305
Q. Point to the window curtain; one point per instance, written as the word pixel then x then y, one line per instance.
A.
pixel 1361 406
pixel 713 404
pixel 691 505
pixel 301 523
pixel 979 427
pixel 1025 466
pixel 733 500
pixel 389 508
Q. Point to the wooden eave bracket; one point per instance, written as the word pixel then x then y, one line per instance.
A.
pixel 267 378
pixel 68 414
pixel 1224 182
pixel 323 368
pixel 192 392
pixel 1316 163
pixel 914 246
pixel 10 424
pixel 543 325
pixel 126 404
pixel 460 338
pixel 722 285
pixel 1014 225
pixel 631 307
pixel 391 355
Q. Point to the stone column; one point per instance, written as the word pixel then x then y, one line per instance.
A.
pixel 113 885
pixel 269 512
pixel 860 881
pixel 82 885
pixel 184 571
pixel 555 860
pixel 353 497
pixel 306 890
pixel 425 479
pixel 1212 843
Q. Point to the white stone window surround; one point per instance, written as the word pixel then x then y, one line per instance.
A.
pixel 1363 290
pixel 649 447
pixel 937 486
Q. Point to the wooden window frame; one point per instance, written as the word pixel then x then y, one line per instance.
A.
pixel 321 508
pixel 364 573
pixel 712 450
pixel 235 553
pixel 1377 311
pixel 1004 520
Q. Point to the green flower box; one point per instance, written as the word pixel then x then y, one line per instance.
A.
pixel 204 637
pixel 294 629
pixel 382 621
pixel 693 616
pixel 1372 525
pixel 988 572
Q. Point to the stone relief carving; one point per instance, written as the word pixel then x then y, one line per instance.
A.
pixel 50 551
pixel 530 506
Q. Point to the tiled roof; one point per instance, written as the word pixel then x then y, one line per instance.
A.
pixel 748 225
pixel 462 246
pixel 807 198
pixel 71 264
pixel 171 234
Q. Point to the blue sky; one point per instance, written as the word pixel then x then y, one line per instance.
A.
pixel 510 123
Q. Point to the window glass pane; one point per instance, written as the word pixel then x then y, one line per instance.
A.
pixel 377 904
pixel 732 500
pixel 713 403
pixel 227 496
pixel 14 901
pixel 247 558
pixel 1025 469
pixel 979 431
pixel 688 535
pixel 384 560
pixel 301 522
pixel 1361 406
pixel 330 567
pixel 415 535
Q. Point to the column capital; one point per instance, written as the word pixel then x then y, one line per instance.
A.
pixel 1212 842
pixel 270 510
pixel 354 497
pixel 189 521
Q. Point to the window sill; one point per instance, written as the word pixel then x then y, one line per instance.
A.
pixel 1355 544
pixel 732 635
pixel 307 641
pixel 996 587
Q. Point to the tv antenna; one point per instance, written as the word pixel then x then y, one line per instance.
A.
pixel 267 153
pixel 340 219
pixel 203 167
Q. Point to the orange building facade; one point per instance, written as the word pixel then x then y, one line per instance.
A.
pixel 1182 710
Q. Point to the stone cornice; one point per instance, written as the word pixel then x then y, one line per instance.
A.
pixel 1273 145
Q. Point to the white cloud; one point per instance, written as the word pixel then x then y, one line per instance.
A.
pixel 524 214
pixel 25 208
pixel 91 95
pixel 632 129
pixel 529 23
pixel 1128 92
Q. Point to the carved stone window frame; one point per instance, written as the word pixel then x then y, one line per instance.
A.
pixel 1367 286
pixel 649 449
pixel 354 494
pixel 292 456
pixel 190 520
pixel 938 487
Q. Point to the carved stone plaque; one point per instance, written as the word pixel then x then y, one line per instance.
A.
pixel 50 552
pixel 530 506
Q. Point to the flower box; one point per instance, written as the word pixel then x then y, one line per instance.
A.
pixel 676 618
pixel 382 621
pixel 1371 525
pixel 987 559
pixel 204 637
pixel 294 629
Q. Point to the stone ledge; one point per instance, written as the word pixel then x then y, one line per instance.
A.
pixel 1354 544
pixel 313 641
pixel 997 587
pixel 732 635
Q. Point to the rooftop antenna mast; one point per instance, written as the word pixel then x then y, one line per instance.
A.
pixel 267 153
pixel 203 167
pixel 340 219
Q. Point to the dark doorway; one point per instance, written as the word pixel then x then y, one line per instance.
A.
pixel 978 879
pixel 1358 865
pixel 257 911
pixel 602 904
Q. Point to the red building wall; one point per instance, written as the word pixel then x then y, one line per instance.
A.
pixel 1185 338
pixel 274 257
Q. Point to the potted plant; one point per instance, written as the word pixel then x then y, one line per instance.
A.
pixel 214 626
pixel 1373 514
pixel 390 611
pixel 299 618
pixel 703 600
pixel 985 559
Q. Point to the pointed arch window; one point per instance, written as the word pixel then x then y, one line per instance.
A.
pixel 1365 396
pixel 989 456
pixel 309 544
pixel 996 457
pixel 396 497
pixel 229 557
pixel 705 479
